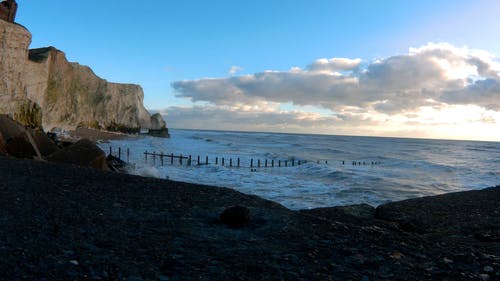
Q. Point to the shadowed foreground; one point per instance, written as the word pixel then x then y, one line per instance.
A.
pixel 61 222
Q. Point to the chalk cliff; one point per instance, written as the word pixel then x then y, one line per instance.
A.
pixel 40 87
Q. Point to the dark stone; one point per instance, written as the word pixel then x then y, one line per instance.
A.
pixel 9 128
pixel 83 153
pixel 3 148
pixel 44 143
pixel 20 147
pixel 235 216
pixel 115 163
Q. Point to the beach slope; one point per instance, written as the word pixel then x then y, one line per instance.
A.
pixel 60 222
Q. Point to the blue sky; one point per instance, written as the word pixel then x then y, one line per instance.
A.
pixel 159 44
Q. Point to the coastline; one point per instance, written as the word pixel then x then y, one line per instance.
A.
pixel 98 135
pixel 66 222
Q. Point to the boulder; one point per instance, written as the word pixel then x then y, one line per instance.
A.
pixel 21 147
pixel 15 139
pixel 9 128
pixel 157 122
pixel 82 153
pixel 3 149
pixel 235 216
pixel 158 126
pixel 44 143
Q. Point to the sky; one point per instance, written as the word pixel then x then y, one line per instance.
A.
pixel 423 69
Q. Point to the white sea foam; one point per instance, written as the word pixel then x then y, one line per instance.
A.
pixel 407 167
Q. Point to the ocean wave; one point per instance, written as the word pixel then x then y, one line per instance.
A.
pixel 405 168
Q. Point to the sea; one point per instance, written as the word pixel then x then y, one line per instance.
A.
pixel 321 170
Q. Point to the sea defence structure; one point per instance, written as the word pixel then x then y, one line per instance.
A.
pixel 41 88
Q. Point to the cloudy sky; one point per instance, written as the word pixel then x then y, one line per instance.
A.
pixel 384 68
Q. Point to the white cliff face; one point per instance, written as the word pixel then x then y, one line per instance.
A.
pixel 14 42
pixel 68 93
pixel 73 95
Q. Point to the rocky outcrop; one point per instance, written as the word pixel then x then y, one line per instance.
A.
pixel 82 153
pixel 20 142
pixel 40 87
pixel 158 126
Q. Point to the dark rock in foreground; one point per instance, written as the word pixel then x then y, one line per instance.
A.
pixel 235 216
pixel 82 153
pixel 63 222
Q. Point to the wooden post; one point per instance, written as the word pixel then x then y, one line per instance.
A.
pixel 258 163
pixel 326 161
pixel 146 157
pixel 251 163
pixel 230 162
pixel 180 159
pixel 298 162
pixel 293 162
pixel 272 163
pixel 286 163
pixel 222 161
pixel 265 165
pixel 154 158
pixel 110 150
pixel 128 154
pixel 198 162
pixel 189 161
pixel 171 159
pixel 238 162
pixel 216 160
pixel 119 153
pixel 206 160
pixel 161 158
pixel 279 163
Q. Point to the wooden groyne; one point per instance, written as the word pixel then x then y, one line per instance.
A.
pixel 162 159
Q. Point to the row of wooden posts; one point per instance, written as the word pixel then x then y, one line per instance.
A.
pixel 188 160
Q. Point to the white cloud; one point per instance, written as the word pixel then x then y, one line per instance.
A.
pixel 439 72
pixel 378 93
pixel 234 69
pixel 334 65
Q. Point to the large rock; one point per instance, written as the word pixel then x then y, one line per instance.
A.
pixel 157 122
pixel 10 128
pixel 21 147
pixel 14 139
pixel 82 153
pixel 45 145
pixel 235 216
pixel 158 126
pixel 3 149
